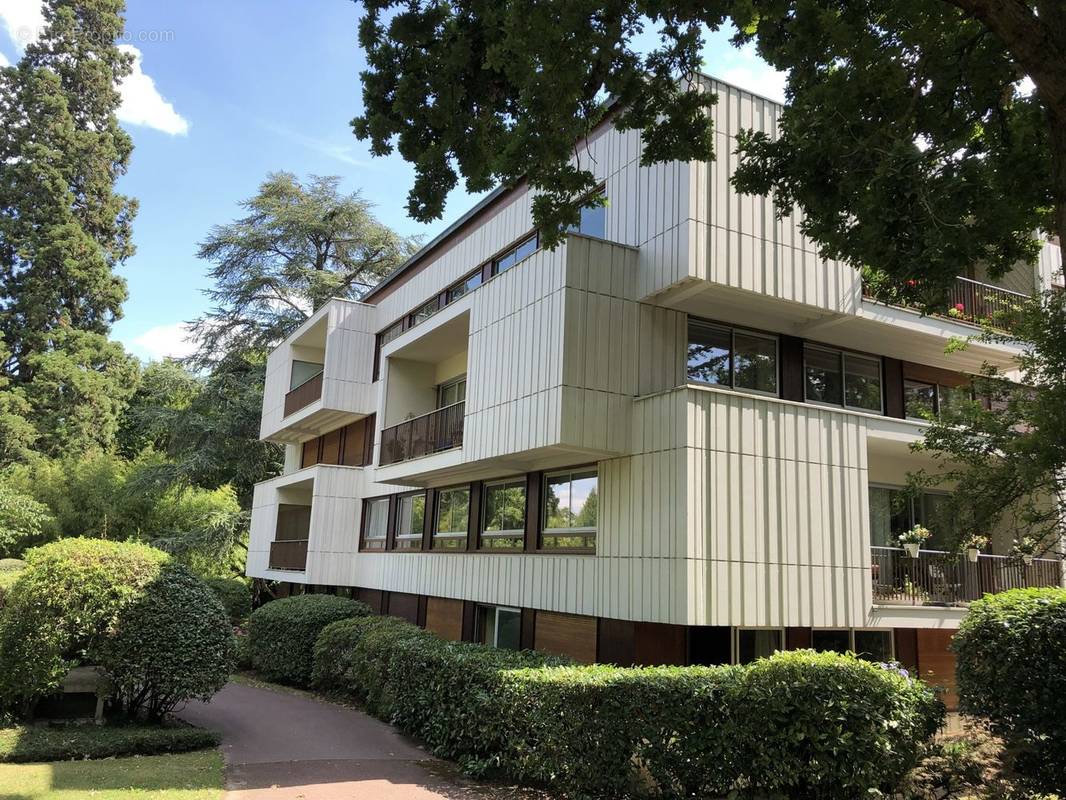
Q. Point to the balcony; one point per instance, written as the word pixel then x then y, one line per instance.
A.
pixel 289 555
pixel 968 301
pixel 303 395
pixel 292 531
pixel 938 578
pixel 424 435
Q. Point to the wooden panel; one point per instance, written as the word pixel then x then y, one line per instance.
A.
pixel 331 447
pixel 797 638
pixel 372 597
pixel 294 522
pixel 656 644
pixel 906 641
pixel 404 606
pixel 444 617
pixel 616 642
pixel 527 631
pixel 566 635
pixel 893 371
pixel 355 442
pixel 791 354
pixel 936 663
pixel 469 620
pixel 309 455
pixel 945 377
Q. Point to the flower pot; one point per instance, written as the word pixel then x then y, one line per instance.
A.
pixel 912 548
pixel 972 553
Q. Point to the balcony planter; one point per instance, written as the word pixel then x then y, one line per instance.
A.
pixel 974 545
pixel 912 548
pixel 913 539
pixel 973 553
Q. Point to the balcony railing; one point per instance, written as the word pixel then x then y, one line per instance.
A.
pixel 972 301
pixel 430 433
pixel 289 554
pixel 937 578
pixel 303 395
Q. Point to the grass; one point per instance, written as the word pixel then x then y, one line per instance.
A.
pixel 182 776
pixel 72 742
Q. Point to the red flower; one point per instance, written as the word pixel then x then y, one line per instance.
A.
pixel 960 307
pixel 912 282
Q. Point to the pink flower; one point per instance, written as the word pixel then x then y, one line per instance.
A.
pixel 960 307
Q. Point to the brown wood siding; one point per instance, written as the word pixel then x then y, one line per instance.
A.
pixel 404 606
pixel 527 632
pixel 309 456
pixel 566 635
pixel 469 620
pixel 303 395
pixel 945 377
pixel 350 446
pixel 331 447
pixel 797 638
pixel 906 642
pixel 893 371
pixel 532 536
pixel 791 354
pixel 616 642
pixel 374 598
pixel 656 643
pixel 444 617
pixel 936 663
pixel 294 522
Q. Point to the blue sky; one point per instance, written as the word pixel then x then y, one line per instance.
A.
pixel 225 92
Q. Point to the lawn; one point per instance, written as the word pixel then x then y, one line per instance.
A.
pixel 180 776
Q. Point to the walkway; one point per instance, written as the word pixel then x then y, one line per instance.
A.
pixel 281 745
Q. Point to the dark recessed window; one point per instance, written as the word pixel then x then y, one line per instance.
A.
pixel 740 359
pixel 756 643
pixel 425 311
pixel 390 333
pixel 451 392
pixel 924 400
pixel 842 379
pixel 375 523
pixel 501 627
pixel 464 286
pixel 504 515
pixel 410 521
pixel 571 508
pixel 831 641
pixel 453 519
pixel 874 645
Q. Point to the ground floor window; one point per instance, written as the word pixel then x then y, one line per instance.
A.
pixel 872 645
pixel 756 643
pixel 499 626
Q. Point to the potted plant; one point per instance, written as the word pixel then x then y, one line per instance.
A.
pixel 913 539
pixel 974 545
pixel 1024 549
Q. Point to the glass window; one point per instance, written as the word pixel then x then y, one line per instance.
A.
pixel 377 524
pixel 831 641
pixel 464 286
pixel 302 372
pixel 862 382
pixel 919 399
pixel 933 510
pixel 570 509
pixel 755 362
pixel 500 627
pixel 709 354
pixel 410 521
pixel 823 379
pixel 594 221
pixel 874 645
pixel 890 515
pixel 452 392
pixel 755 643
pixel 504 515
pixel 505 261
pixel 953 398
pixel 390 333
pixel 424 312
pixel 453 519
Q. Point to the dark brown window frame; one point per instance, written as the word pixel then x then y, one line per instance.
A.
pixel 434 532
pixel 365 521
pixel 394 519
pixel 543 488
pixel 733 331
pixel 523 534
pixel 842 352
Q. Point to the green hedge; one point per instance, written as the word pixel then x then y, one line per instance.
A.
pixel 235 595
pixel 282 633
pixel 800 724
pixel 76 742
pixel 1011 669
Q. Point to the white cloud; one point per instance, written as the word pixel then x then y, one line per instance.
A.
pixel 3 60
pixel 742 67
pixel 164 341
pixel 142 104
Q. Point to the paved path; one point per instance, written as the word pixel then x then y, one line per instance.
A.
pixel 289 746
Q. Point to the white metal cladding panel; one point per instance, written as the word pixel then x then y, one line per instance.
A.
pixel 1049 266
pixel 275 386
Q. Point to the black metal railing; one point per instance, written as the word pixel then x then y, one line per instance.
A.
pixel 430 433
pixel 968 301
pixel 939 578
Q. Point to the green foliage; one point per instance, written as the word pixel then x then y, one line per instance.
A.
pixel 235 594
pixel 23 522
pixel 282 633
pixel 1011 669
pixel 76 742
pixel 63 606
pixel 165 390
pixel 906 139
pixel 799 724
pixel 9 573
pixel 244 657
pixel 171 645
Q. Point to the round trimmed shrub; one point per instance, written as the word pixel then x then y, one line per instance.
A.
pixel 282 633
pixel 62 606
pixel 235 595
pixel 1011 670
pixel 172 644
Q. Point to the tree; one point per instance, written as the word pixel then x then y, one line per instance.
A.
pixel 165 390
pixel 63 229
pixel 907 140
pixel 299 245
pixel 1005 454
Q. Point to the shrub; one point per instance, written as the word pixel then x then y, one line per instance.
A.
pixel 23 522
pixel 799 724
pixel 62 606
pixel 235 595
pixel 172 644
pixel 1011 669
pixel 9 573
pixel 282 633
pixel 76 742
pixel 243 657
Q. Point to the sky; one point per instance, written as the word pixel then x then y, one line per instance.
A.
pixel 222 93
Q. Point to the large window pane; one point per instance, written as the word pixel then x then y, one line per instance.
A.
pixel 594 221
pixel 377 524
pixel 302 372
pixel 890 515
pixel 526 248
pixel 570 510
pixel 919 399
pixel 505 515
pixel 874 645
pixel 754 644
pixel 410 522
pixel 453 519
pixel 464 287
pixel 823 379
pixel 934 512
pixel 862 382
pixel 755 362
pixel 831 641
pixel 451 393
pixel 426 311
pixel 500 627
pixel 708 354
pixel 954 398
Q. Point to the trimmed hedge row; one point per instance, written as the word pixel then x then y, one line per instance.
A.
pixel 77 742
pixel 799 724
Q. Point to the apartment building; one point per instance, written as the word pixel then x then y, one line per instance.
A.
pixel 679 437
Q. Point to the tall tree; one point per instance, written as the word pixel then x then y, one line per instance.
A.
pixel 299 245
pixel 63 228
pixel 908 139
